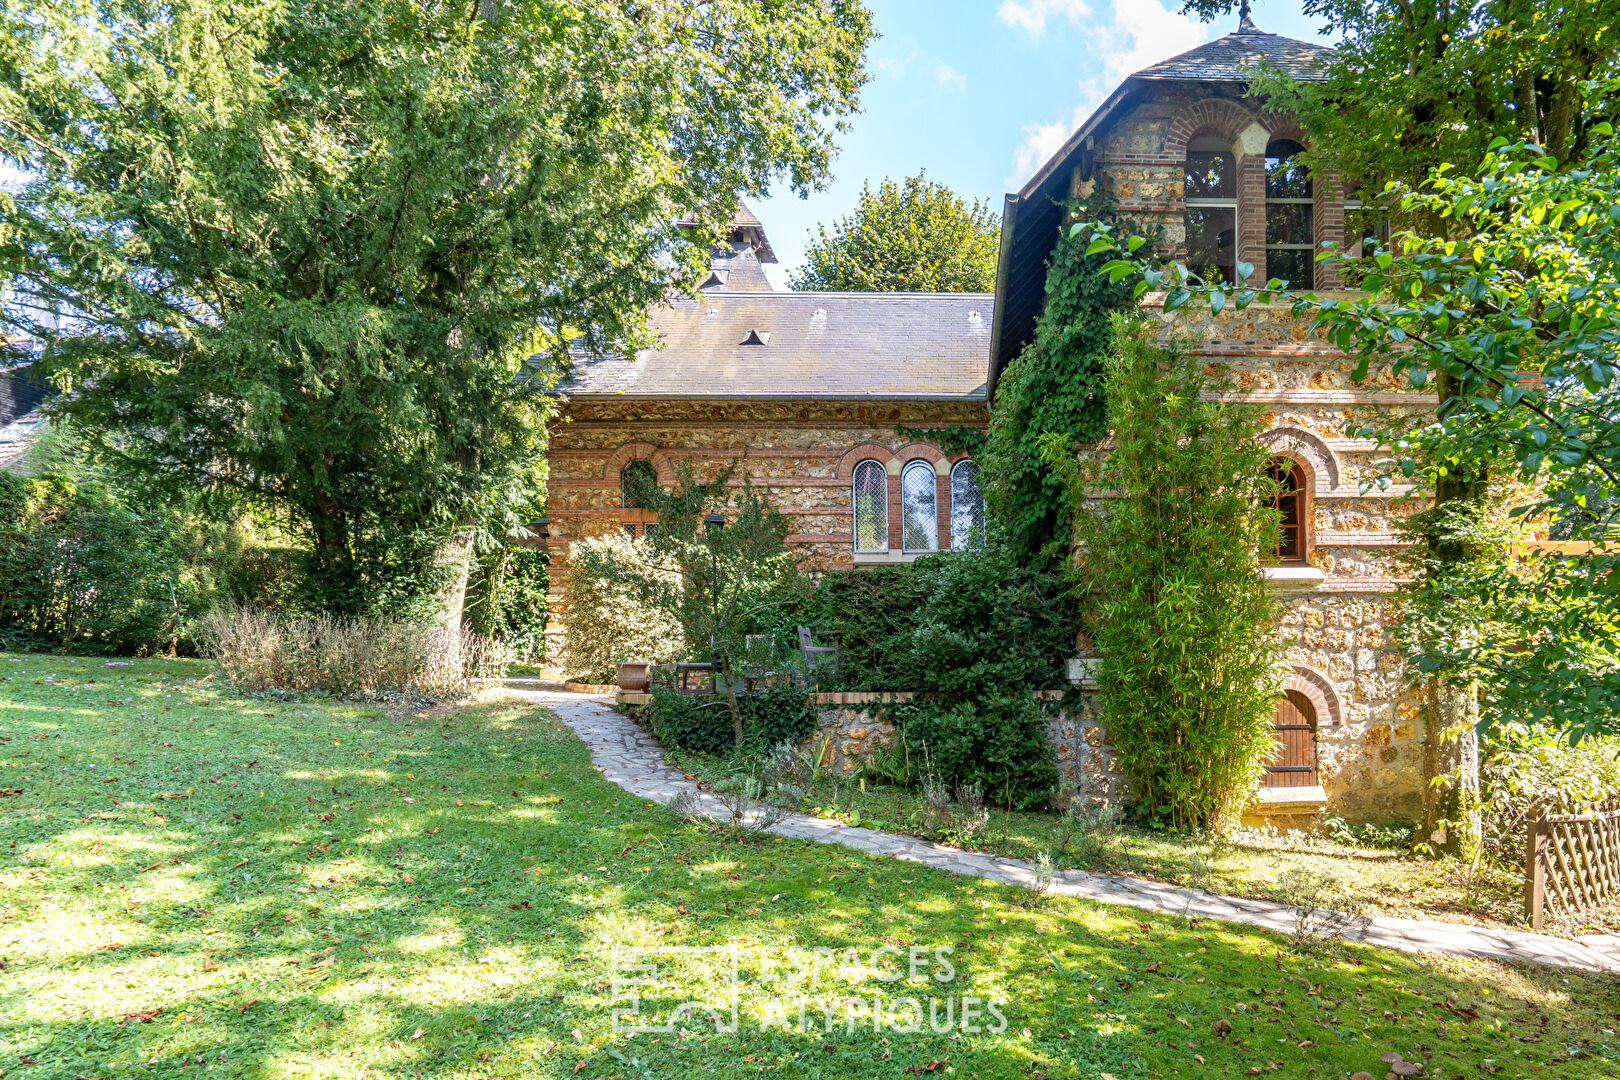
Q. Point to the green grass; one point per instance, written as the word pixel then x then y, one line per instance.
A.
pixel 192 883
pixel 1248 863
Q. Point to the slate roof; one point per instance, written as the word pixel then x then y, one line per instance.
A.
pixel 1227 59
pixel 818 344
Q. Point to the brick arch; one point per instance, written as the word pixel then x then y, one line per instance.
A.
pixel 1219 117
pixel 1320 463
pixel 1318 689
pixel 1282 126
pixel 859 453
pixel 639 451
pixel 914 451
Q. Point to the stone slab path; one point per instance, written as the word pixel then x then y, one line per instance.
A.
pixel 632 759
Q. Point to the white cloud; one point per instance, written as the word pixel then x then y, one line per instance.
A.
pixel 948 77
pixel 1030 15
pixel 1132 35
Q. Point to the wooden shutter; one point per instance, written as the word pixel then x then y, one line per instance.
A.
pixel 1295 732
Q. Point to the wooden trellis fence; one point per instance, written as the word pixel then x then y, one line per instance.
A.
pixel 1572 862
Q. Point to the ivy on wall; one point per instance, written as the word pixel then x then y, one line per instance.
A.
pixel 1055 385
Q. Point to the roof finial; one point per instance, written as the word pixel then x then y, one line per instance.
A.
pixel 1246 19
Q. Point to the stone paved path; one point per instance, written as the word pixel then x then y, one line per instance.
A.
pixel 632 759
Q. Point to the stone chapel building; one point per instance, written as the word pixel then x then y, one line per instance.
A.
pixel 805 391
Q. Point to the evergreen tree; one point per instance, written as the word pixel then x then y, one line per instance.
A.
pixel 306 248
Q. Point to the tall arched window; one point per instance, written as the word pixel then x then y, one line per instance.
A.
pixel 1290 248
pixel 1290 501
pixel 919 507
pixel 638 482
pixel 871 507
pixel 1209 185
pixel 967 506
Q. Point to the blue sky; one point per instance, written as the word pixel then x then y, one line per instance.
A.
pixel 981 92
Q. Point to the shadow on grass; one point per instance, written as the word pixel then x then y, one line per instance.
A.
pixel 339 892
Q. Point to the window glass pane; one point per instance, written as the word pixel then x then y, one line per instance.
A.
pixel 638 481
pixel 1288 223
pixel 967 506
pixel 1210 175
pixel 1284 178
pixel 919 508
pixel 1293 265
pixel 1212 242
pixel 1290 501
pixel 871 507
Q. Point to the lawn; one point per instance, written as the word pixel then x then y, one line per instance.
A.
pixel 1247 863
pixel 193 883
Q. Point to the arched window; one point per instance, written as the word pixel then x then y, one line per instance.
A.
pixel 871 507
pixel 638 483
pixel 967 506
pixel 919 507
pixel 1289 499
pixel 1209 184
pixel 1290 246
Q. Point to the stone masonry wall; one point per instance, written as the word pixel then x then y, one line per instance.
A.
pixel 801 451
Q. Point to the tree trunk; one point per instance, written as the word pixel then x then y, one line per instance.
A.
pixel 731 701
pixel 455 557
pixel 1451 744
pixel 1451 763
pixel 330 528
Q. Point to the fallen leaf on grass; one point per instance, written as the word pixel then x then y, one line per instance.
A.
pixel 145 1017
pixel 1153 966
pixel 514 907
pixel 417 1034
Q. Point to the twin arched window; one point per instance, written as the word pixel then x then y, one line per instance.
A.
pixel 919 507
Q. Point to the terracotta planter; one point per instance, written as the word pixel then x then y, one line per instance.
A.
pixel 636 677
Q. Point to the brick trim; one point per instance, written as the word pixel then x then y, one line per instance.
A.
pixel 858 453
pixel 1318 689
pixel 638 451
pixel 1321 464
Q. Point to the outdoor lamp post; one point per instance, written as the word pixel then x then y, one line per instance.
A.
pixel 714 521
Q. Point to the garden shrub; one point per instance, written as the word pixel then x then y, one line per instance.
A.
pixel 1167 573
pixel 362 657
pixel 997 742
pixel 702 723
pixel 872 612
pixel 506 599
pixel 608 622
pixel 83 571
pixel 1523 764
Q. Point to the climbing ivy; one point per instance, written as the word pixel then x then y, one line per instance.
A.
pixel 1055 385
pixel 952 440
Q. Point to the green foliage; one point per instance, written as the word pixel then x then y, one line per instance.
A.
pixel 952 440
pixel 1522 764
pixel 310 246
pixel 913 236
pixel 1511 317
pixel 609 620
pixel 82 571
pixel 702 723
pixel 506 599
pixel 872 612
pixel 1170 589
pixel 1055 385
pixel 1410 86
pixel 719 580
pixel 997 741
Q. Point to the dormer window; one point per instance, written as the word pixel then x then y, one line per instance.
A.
pixel 1290 246
pixel 1210 186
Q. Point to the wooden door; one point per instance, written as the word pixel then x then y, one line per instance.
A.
pixel 1295 732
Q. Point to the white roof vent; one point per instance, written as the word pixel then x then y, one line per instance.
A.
pixel 758 337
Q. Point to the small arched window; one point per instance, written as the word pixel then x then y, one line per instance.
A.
pixel 871 507
pixel 1290 245
pixel 919 507
pixel 1209 185
pixel 967 506
pixel 638 484
pixel 1289 499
